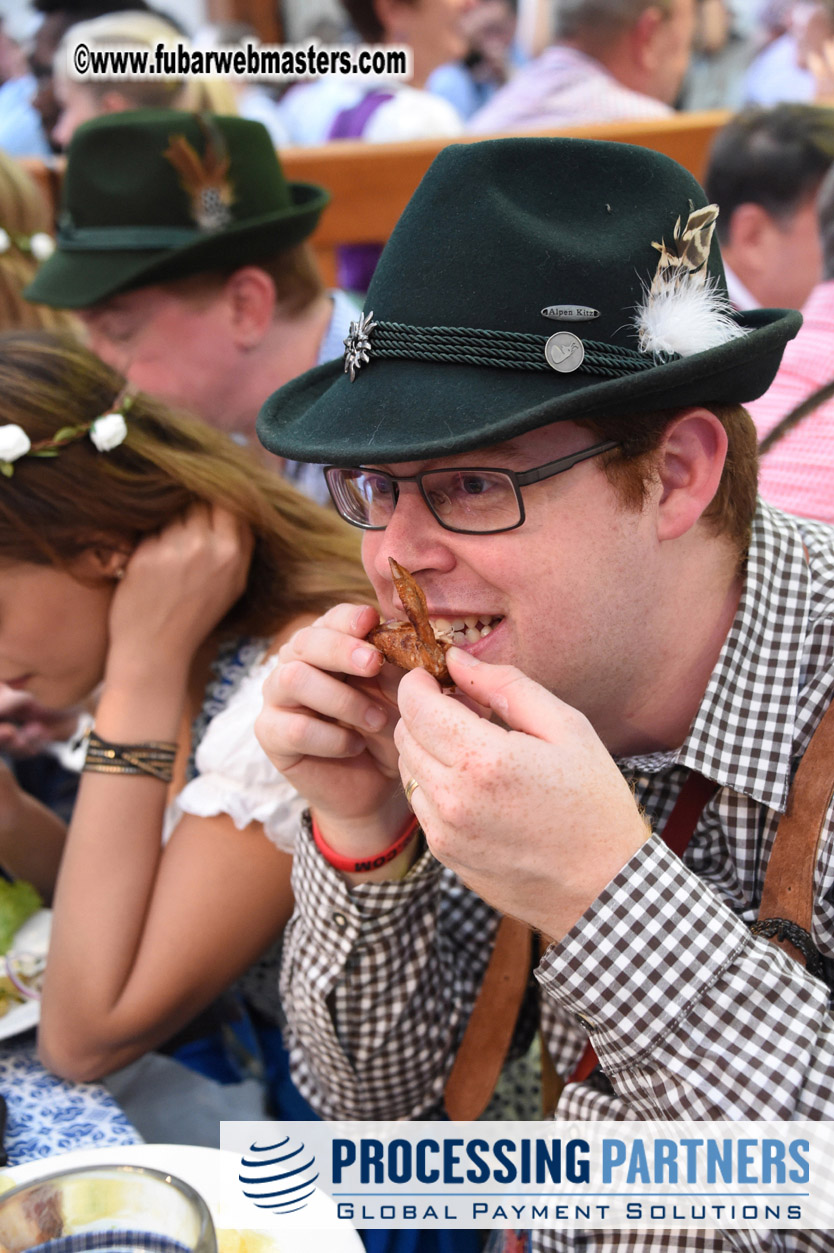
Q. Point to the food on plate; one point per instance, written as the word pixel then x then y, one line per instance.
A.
pixel 245 1242
pixel 31 1219
pixel 413 643
pixel 9 995
pixel 18 901
pixel 49 1211
pixel 25 972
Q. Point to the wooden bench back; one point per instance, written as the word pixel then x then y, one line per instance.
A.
pixel 371 183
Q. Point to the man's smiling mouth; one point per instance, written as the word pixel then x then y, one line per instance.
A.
pixel 463 631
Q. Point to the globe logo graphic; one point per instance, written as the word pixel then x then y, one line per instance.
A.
pixel 278 1177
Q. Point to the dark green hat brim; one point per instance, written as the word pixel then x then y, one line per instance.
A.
pixel 503 243
pixel 77 279
pixel 405 410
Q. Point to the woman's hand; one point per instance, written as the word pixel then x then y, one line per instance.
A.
pixel 327 725
pixel 177 586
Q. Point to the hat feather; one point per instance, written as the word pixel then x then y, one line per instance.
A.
pixel 686 318
pixel 683 311
pixel 204 178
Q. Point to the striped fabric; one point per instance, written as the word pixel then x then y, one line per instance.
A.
pixel 113 1242
pixel 563 87
pixel 798 473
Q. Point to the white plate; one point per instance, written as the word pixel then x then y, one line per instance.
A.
pixel 33 937
pixel 199 1167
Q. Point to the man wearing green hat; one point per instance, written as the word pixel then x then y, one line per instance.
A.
pixel 181 246
pixel 540 417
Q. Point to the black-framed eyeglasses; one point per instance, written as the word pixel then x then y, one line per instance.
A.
pixel 472 500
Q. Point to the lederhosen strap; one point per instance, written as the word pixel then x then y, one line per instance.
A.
pixel 489 1032
pixel 785 918
pixel 786 909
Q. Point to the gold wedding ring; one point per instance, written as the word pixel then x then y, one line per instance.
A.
pixel 410 789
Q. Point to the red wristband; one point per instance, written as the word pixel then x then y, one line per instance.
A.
pixel 362 865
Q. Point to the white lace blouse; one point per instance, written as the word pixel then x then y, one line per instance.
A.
pixel 231 772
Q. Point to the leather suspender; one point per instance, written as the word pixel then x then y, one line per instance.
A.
pixel 490 1029
pixel 787 898
pixel 788 892
pixel 489 1032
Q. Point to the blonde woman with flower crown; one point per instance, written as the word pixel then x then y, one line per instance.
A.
pixel 145 557
pixel 25 241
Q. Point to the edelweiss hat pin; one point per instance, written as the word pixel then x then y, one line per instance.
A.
pixel 457 348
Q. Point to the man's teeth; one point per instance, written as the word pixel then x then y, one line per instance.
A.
pixel 460 631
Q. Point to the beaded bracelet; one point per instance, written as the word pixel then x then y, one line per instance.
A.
pixel 362 865
pixel 155 757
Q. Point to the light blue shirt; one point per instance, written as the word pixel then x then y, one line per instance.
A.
pixel 21 133
pixel 345 311
pixel 774 76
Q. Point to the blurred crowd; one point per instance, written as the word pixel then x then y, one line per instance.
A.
pixel 481 65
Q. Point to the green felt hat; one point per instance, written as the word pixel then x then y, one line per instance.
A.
pixel 158 194
pixel 507 298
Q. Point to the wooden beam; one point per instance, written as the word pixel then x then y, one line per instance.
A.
pixel 372 183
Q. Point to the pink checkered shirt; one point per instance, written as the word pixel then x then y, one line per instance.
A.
pixel 798 474
pixel 563 87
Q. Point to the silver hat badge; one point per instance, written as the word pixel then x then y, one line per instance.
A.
pixel 565 352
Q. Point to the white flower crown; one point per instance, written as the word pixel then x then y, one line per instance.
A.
pixel 106 432
pixel 40 245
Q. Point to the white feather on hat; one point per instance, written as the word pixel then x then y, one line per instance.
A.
pixel 683 312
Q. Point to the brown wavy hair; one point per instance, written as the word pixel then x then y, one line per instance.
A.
pixel 632 468
pixel 24 212
pixel 365 20
pixel 305 558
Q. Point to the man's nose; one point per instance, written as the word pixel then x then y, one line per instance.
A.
pixel 413 537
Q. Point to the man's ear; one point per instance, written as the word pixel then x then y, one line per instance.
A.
pixel 689 468
pixel 749 238
pixel 642 37
pixel 251 299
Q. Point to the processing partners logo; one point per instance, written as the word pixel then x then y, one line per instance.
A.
pixel 278 1177
pixel 623 1176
